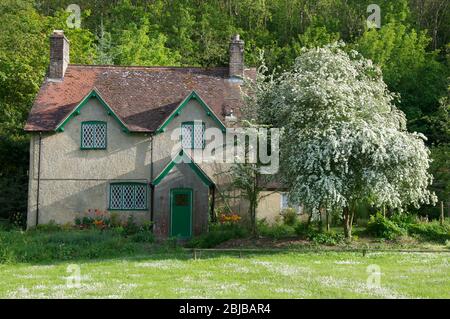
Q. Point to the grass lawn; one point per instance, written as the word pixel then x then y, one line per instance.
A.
pixel 278 275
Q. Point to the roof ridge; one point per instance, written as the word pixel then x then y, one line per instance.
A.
pixel 146 67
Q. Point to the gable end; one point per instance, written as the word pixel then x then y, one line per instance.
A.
pixel 76 111
pixel 206 108
pixel 183 158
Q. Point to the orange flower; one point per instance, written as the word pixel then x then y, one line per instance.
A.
pixel 232 217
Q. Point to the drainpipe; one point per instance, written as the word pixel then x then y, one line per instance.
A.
pixel 152 188
pixel 38 178
pixel 213 195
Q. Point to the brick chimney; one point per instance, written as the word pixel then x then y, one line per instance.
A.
pixel 59 55
pixel 236 66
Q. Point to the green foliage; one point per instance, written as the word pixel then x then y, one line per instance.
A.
pixel 142 237
pixel 131 39
pixel 404 220
pixel 275 230
pixel 49 227
pixel 329 239
pixel 321 238
pixel 410 69
pixel 432 231
pixel 18 220
pixel 48 244
pixel 290 216
pixel 400 225
pixel 381 227
pixel 217 234
pixel 130 227
pixel 302 230
pixel 314 37
pixel 103 47
pixel 440 168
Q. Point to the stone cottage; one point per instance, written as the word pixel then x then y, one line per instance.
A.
pixel 102 137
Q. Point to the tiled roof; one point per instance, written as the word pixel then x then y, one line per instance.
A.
pixel 142 97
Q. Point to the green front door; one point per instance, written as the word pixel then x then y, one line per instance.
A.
pixel 181 212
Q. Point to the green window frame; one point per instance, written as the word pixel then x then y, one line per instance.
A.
pixel 192 143
pixel 127 196
pixel 94 135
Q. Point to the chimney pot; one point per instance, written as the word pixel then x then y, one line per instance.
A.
pixel 59 55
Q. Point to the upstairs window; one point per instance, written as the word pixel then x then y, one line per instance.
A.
pixel 128 196
pixel 192 135
pixel 93 135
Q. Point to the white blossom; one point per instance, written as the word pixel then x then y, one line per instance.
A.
pixel 344 141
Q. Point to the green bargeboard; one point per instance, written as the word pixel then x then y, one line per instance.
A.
pixel 181 210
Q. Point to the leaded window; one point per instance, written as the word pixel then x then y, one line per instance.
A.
pixel 93 135
pixel 128 196
pixel 192 135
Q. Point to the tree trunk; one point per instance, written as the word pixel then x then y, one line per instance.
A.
pixel 308 222
pixel 347 223
pixel 328 220
pixel 320 224
pixel 253 219
pixel 442 213
pixel 352 215
pixel 254 227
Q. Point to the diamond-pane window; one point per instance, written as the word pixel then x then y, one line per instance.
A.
pixel 93 135
pixel 115 196
pixel 128 196
pixel 186 135
pixel 140 196
pixel 192 135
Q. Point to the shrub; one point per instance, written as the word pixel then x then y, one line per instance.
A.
pixel 143 237
pixel 400 225
pixel 275 230
pixel 115 219
pixel 218 233
pixel 142 233
pixel 41 246
pixel 324 238
pixel 5 224
pixel 379 226
pixel 18 220
pixel 404 220
pixel 130 227
pixel 290 217
pixel 302 230
pixel 432 231
pixel 52 226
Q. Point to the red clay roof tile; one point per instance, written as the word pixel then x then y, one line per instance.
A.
pixel 143 97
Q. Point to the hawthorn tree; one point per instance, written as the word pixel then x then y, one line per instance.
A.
pixel 344 142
